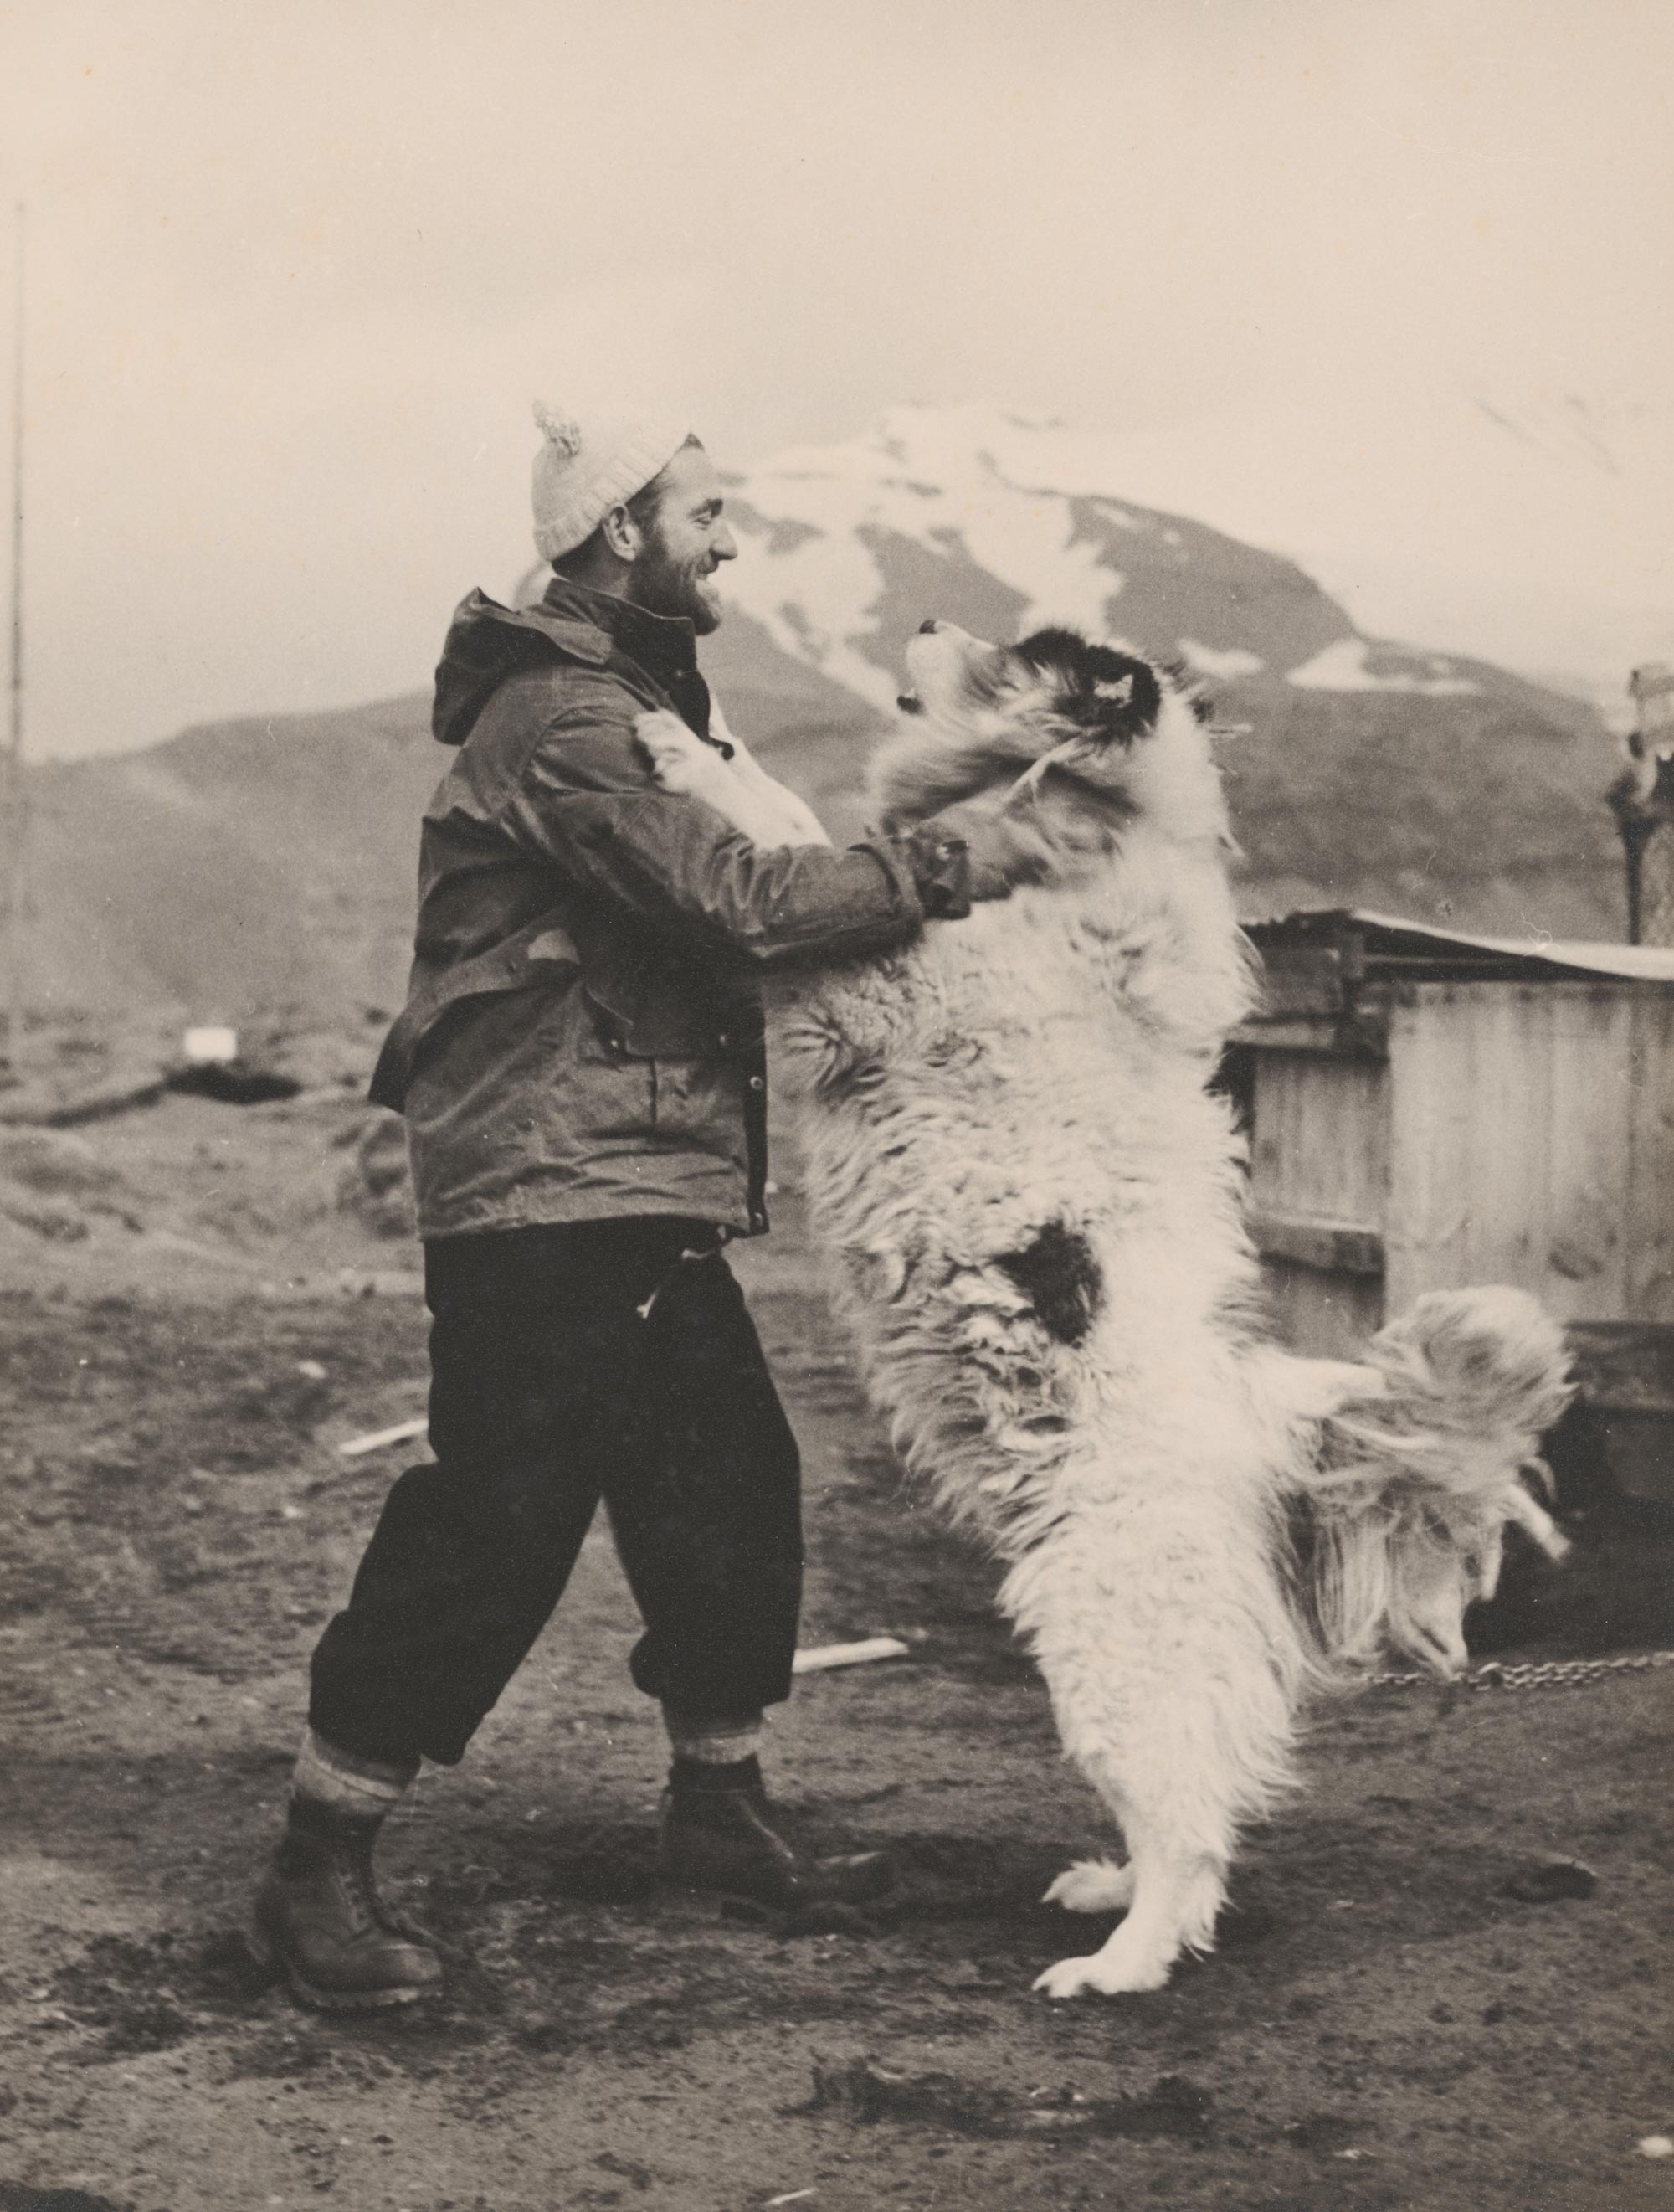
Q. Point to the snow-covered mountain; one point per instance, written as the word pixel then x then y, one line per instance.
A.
pixel 1414 774
pixel 1535 529
pixel 1537 533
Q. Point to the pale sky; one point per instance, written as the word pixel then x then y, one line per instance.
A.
pixel 296 269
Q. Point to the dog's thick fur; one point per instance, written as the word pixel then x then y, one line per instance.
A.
pixel 1013 1147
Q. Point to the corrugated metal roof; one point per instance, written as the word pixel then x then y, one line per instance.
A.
pixel 1395 937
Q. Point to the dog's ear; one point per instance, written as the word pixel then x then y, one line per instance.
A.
pixel 1186 682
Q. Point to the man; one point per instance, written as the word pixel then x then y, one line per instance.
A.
pixel 580 1062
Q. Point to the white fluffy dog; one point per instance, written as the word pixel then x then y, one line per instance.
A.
pixel 1036 1199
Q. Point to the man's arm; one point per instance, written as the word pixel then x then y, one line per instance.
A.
pixel 585 803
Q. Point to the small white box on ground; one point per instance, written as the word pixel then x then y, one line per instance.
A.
pixel 210 1047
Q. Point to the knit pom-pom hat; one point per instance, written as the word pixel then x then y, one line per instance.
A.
pixel 587 467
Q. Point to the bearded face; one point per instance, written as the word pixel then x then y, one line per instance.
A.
pixel 684 540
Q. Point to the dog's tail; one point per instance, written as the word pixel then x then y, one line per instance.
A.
pixel 1427 1453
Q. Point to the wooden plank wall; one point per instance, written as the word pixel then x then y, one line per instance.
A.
pixel 1532 1141
pixel 1321 1149
pixel 1649 1267
pixel 1320 1155
pixel 1327 1315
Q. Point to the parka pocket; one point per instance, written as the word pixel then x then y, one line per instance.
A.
pixel 686 1038
pixel 619 1085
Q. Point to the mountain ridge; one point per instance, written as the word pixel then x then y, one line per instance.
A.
pixel 267 864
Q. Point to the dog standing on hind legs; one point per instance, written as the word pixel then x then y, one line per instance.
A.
pixel 1012 1148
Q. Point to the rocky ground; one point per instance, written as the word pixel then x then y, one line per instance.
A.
pixel 1406 2010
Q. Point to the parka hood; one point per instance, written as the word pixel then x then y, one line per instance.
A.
pixel 486 642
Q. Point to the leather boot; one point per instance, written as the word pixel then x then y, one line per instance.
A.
pixel 718 1832
pixel 317 1916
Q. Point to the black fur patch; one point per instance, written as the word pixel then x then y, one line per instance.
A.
pixel 1111 693
pixel 1058 1275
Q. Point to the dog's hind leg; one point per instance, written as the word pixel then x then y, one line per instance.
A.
pixel 1093 1886
pixel 1160 1763
pixel 1175 1902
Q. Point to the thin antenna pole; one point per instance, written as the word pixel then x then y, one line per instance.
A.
pixel 15 800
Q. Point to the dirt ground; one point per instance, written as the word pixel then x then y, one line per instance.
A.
pixel 1396 2016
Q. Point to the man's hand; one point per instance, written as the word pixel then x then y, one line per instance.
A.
pixel 1000 850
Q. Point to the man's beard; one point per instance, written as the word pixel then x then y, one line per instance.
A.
pixel 664 587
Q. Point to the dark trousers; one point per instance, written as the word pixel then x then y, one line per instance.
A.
pixel 549 1390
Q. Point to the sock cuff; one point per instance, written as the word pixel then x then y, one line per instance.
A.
pixel 698 1776
pixel 326 1775
pixel 712 1740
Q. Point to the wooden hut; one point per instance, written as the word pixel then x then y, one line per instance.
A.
pixel 1429 1109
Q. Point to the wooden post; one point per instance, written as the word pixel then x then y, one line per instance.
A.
pixel 14 801
pixel 1642 800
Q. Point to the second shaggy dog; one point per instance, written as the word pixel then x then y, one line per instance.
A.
pixel 1013 1148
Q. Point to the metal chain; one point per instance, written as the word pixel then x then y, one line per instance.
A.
pixel 1549 1675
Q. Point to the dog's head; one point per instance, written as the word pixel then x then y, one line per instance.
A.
pixel 1088 733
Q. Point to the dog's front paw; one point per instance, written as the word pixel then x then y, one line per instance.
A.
pixel 1093 1886
pixel 676 756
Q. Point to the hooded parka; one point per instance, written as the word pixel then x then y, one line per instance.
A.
pixel 583 1034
